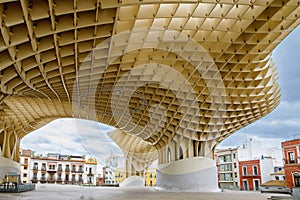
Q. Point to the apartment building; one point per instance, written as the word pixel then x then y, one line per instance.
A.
pixel 227 164
pixel 291 158
pixel 25 159
pixel 55 168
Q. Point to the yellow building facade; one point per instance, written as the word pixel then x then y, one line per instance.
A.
pixel 150 177
pixel 118 176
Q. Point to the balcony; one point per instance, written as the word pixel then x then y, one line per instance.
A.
pixel 51 181
pixel 34 180
pixel 43 168
pixel 59 169
pixel 226 180
pixel 67 169
pixel 51 170
pixel 35 168
pixel 73 170
pixel 251 174
pixel 43 180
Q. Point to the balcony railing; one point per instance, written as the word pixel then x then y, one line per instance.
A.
pixel 35 168
pixel 51 170
pixel 34 180
pixel 67 169
pixel 250 174
pixel 43 168
pixel 51 180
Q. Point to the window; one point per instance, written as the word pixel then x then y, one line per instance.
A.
pixel 227 167
pixel 296 180
pixel 283 178
pixel 169 155
pixel 244 171
pixel 228 177
pixel 221 159
pixel 26 161
pixel 73 177
pixel 24 175
pixel 228 158
pixel 180 153
pixel 245 184
pixel 25 167
pixel 90 170
pixel 234 165
pixel 225 158
pixel 35 166
pixel 277 178
pixel 234 156
pixel 291 157
pixel 255 171
pixel 256 184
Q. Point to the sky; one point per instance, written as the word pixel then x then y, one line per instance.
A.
pixel 78 137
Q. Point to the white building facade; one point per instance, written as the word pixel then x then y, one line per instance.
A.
pixel 228 169
pixel 57 169
pixel 108 175
pixel 90 171
pixel 252 150
pixel 25 159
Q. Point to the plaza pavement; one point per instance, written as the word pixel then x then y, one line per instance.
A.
pixel 66 192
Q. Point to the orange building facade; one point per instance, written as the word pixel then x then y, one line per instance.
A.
pixel 291 158
pixel 250 175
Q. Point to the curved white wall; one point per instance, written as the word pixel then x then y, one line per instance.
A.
pixel 198 174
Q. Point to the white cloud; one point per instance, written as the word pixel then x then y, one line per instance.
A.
pixel 72 136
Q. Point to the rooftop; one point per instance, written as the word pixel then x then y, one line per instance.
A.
pixel 274 183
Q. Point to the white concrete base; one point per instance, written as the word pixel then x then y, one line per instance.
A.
pixel 133 181
pixel 197 174
pixel 7 165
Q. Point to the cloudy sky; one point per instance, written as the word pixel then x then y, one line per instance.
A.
pixel 79 137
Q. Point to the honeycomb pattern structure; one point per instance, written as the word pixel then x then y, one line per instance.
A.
pixel 99 59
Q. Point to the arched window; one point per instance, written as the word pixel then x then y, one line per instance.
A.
pixel 169 155
pixel 180 153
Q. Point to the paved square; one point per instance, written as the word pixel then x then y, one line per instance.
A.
pixel 63 192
